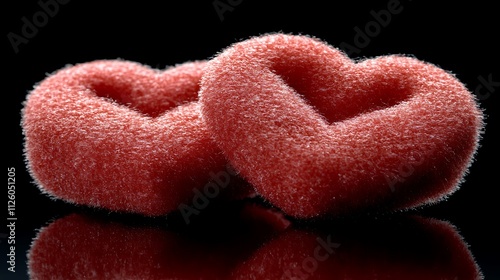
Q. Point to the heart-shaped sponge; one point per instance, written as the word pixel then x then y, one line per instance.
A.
pixel 316 132
pixel 121 136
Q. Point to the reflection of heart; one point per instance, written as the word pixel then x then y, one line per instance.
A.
pixel 249 243
pixel 316 133
pixel 85 247
pixel 411 248
pixel 118 135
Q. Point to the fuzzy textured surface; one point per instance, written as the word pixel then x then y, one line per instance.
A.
pixel 121 136
pixel 317 133
pixel 411 249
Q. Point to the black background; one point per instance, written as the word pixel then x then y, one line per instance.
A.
pixel 461 38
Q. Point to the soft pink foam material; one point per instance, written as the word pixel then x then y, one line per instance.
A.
pixel 316 132
pixel 119 135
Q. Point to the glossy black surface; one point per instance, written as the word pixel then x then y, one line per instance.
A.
pixel 243 240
